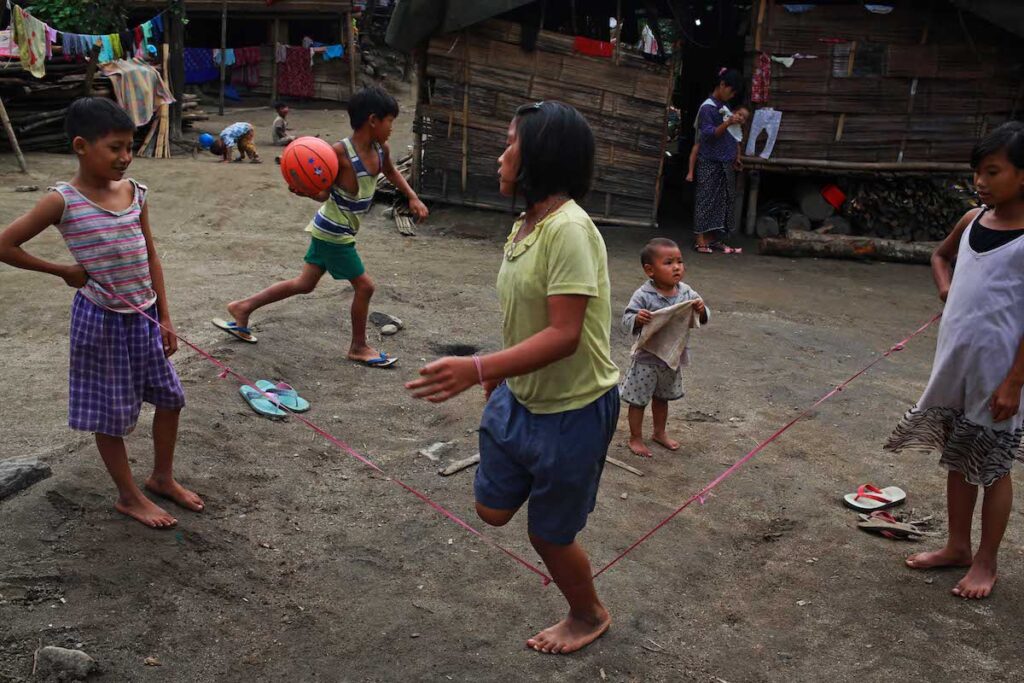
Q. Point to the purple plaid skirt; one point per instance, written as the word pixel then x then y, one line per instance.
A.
pixel 117 362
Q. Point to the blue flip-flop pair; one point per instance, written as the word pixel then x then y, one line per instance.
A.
pixel 268 398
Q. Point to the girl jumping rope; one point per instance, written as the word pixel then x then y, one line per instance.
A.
pixel 545 432
pixel 970 410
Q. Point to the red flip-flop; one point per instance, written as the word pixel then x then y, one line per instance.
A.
pixel 869 497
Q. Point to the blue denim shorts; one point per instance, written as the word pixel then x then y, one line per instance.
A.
pixel 554 461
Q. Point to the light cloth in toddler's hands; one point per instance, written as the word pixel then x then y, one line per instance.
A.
pixel 668 333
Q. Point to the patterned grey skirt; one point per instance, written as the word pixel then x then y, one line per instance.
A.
pixel 982 454
pixel 714 197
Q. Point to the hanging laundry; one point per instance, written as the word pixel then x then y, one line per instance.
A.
pixel 140 43
pixel 879 9
pixel 199 66
pixel 280 53
pixel 147 32
pixel 8 48
pixel 648 43
pixel 333 52
pixel 593 48
pixel 784 61
pixel 229 57
pixel 766 119
pixel 106 50
pixel 247 67
pixel 115 43
pixel 158 26
pixel 30 35
pixel 138 87
pixel 51 38
pixel 760 84
pixel 295 75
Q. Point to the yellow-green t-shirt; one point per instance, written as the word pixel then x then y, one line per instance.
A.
pixel 564 254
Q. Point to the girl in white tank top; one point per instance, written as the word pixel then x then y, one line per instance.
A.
pixel 970 410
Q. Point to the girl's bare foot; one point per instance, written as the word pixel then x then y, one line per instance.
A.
pixel 144 510
pixel 947 557
pixel 238 313
pixel 637 445
pixel 571 634
pixel 176 493
pixel 664 440
pixel 978 582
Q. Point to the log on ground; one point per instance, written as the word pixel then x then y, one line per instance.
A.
pixel 800 243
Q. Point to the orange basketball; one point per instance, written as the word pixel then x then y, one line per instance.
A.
pixel 309 165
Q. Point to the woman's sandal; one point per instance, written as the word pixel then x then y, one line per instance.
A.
pixel 725 248
pixel 703 249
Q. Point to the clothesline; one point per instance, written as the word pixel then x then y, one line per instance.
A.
pixel 32 40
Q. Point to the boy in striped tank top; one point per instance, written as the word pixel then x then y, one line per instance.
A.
pixel 332 246
pixel 119 358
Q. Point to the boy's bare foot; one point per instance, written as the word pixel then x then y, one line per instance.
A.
pixel 637 445
pixel 947 557
pixel 664 440
pixel 146 511
pixel 571 634
pixel 978 582
pixel 238 313
pixel 176 493
pixel 362 353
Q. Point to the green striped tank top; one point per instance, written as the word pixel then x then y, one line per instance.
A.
pixel 337 220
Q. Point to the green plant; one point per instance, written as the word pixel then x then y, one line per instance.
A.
pixel 80 16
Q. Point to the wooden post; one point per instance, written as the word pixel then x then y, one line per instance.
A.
pixel 618 32
pixel 417 140
pixel 275 39
pixel 176 79
pixel 90 71
pixel 753 187
pixel 664 141
pixel 350 32
pixel 762 8
pixel 223 50
pixel 741 196
pixel 12 138
pixel 465 113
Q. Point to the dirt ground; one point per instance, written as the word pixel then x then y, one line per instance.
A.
pixel 307 566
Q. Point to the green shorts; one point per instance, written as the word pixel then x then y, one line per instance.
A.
pixel 340 260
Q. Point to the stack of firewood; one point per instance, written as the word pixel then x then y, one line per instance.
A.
pixel 909 209
pixel 37 107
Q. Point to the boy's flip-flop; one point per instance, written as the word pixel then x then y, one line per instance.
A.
pixel 381 361
pixel 286 394
pixel 260 403
pixel 869 497
pixel 235 330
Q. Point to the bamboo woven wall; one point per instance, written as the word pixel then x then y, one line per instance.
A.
pixel 476 80
pixel 923 86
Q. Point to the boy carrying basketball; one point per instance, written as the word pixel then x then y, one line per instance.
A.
pixel 362 157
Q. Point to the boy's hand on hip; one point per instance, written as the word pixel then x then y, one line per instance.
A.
pixel 75 276
pixel 1005 401
pixel 444 379
pixel 419 209
pixel 643 317
pixel 170 339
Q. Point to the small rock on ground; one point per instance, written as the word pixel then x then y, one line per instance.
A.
pixel 60 664
pixel 20 473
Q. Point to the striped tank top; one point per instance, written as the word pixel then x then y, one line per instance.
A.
pixel 110 246
pixel 338 219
